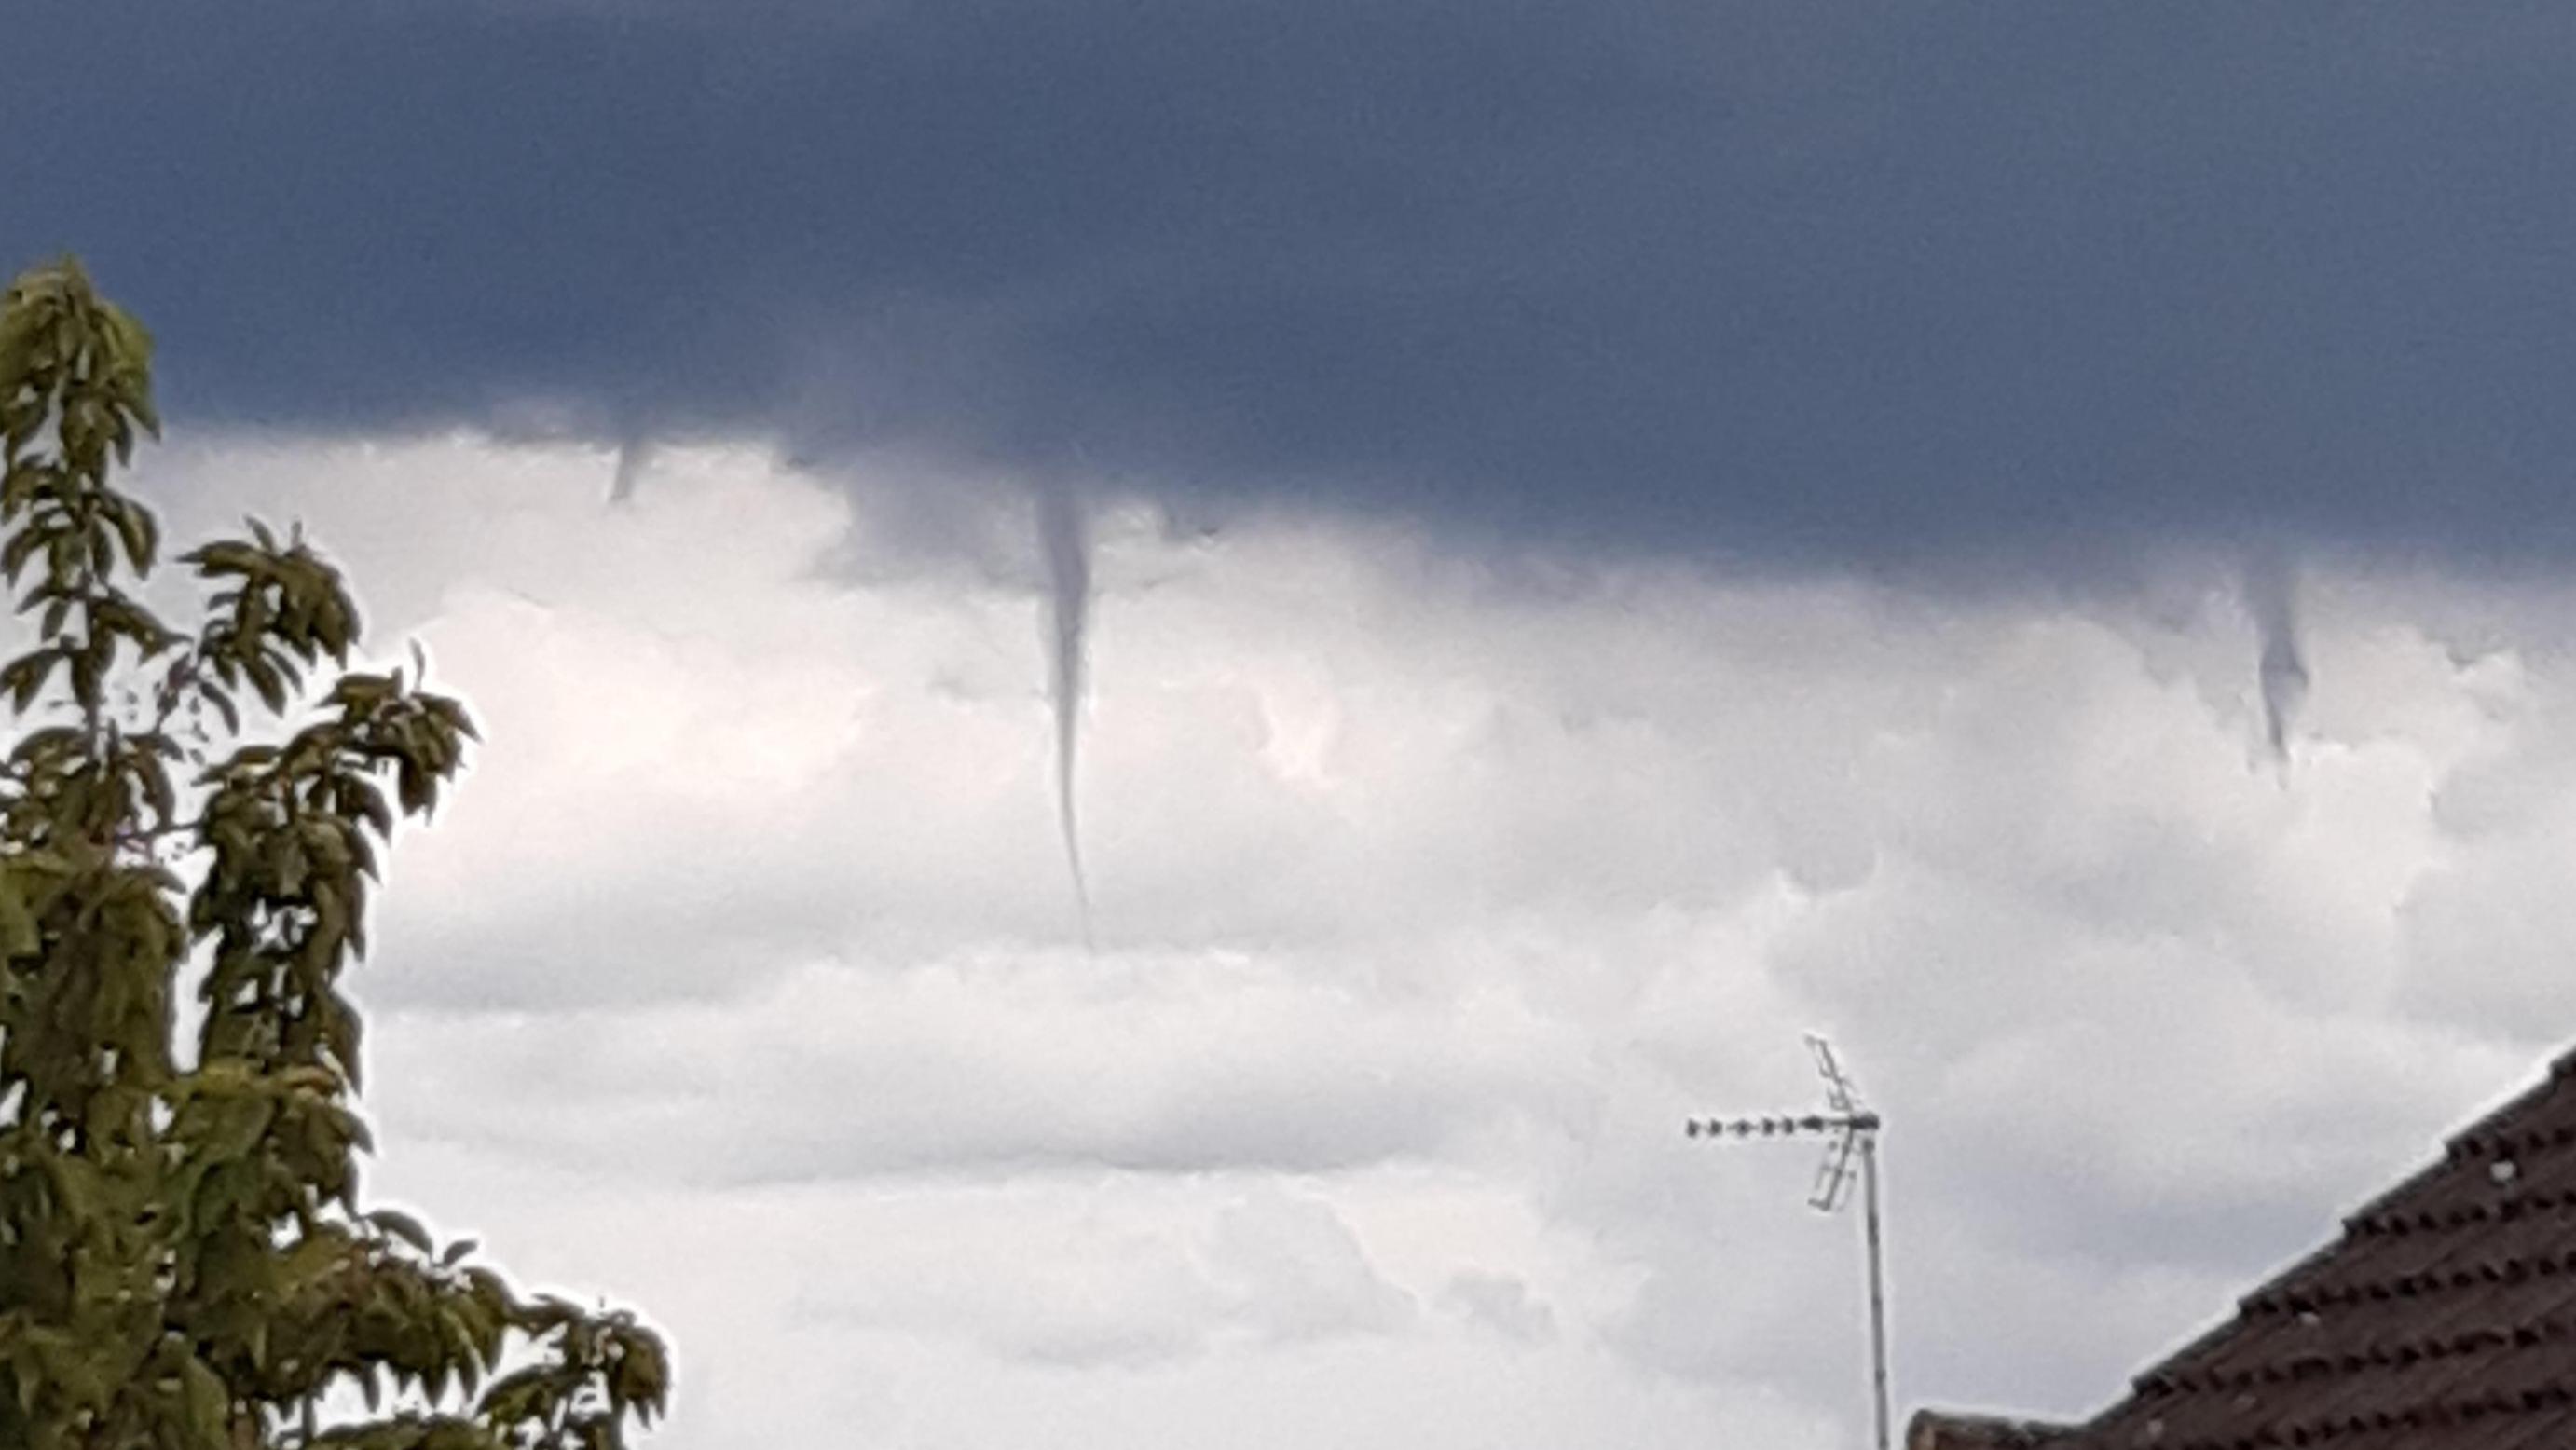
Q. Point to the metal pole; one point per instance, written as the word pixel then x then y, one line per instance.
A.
pixel 1877 1282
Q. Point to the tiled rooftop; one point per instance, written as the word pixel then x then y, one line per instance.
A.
pixel 2444 1318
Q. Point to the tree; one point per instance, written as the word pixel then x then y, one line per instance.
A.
pixel 184 1260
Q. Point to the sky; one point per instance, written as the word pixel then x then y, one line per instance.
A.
pixel 1575 543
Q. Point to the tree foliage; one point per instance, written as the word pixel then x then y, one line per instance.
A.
pixel 190 823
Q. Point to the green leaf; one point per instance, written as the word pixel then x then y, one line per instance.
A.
pixel 403 1226
pixel 209 1404
pixel 18 934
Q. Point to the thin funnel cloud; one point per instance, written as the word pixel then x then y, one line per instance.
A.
pixel 2271 598
pixel 1064 543
pixel 634 456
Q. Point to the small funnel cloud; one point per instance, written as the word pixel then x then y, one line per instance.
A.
pixel 634 455
pixel 1064 541
pixel 2271 597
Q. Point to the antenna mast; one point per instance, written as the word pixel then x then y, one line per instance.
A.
pixel 1853 1130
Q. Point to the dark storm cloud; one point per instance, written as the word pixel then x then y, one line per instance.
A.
pixel 1817 280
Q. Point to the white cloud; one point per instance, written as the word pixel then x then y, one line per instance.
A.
pixel 1109 1272
pixel 995 1065
pixel 743 975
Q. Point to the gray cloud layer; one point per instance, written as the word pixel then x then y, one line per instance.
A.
pixel 1841 280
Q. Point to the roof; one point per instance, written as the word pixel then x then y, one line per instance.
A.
pixel 2444 1318
pixel 1934 1431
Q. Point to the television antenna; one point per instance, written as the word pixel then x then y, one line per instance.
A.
pixel 1851 1129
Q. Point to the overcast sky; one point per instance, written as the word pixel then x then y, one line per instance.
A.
pixel 1617 533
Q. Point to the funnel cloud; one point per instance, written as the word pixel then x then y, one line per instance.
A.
pixel 2271 597
pixel 634 456
pixel 1065 545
